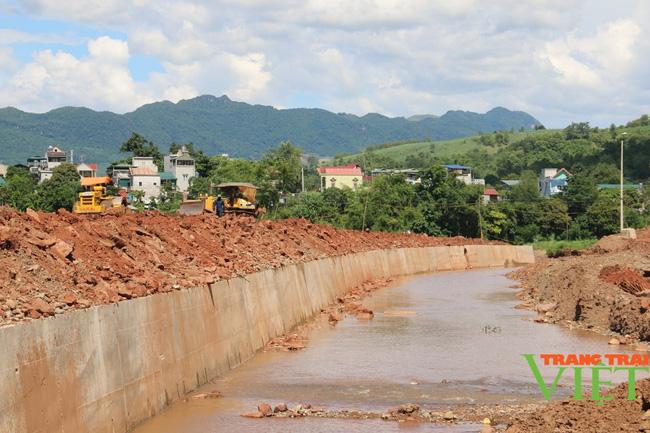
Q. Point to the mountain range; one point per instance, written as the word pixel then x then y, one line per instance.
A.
pixel 219 125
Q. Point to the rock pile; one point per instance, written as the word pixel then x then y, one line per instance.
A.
pixel 53 263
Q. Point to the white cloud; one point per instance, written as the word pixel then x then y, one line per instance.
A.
pixel 102 79
pixel 562 59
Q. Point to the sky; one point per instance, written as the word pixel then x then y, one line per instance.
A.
pixel 560 60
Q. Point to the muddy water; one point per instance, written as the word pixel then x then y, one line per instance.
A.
pixel 436 340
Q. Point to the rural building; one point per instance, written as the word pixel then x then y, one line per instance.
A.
pixel 182 166
pixel 42 166
pixel 491 195
pixel 144 162
pixel 168 180
pixel 617 186
pixel 147 180
pixel 553 181
pixel 509 183
pixel 121 175
pixel 463 173
pixel 412 175
pixel 338 177
pixel 87 169
pixel 3 170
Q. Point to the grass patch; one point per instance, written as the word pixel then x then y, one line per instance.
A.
pixel 552 247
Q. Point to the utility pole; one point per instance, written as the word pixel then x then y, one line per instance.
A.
pixel 302 177
pixel 621 212
pixel 480 217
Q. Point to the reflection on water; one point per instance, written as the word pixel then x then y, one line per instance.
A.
pixel 455 339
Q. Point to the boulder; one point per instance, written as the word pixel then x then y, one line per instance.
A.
pixel 614 342
pixel 33 215
pixel 546 307
pixel 449 416
pixel 408 408
pixel 61 249
pixel 42 307
pixel 69 298
pixel 365 315
pixel 265 409
pixel 281 408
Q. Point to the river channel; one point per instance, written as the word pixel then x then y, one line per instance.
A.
pixel 436 340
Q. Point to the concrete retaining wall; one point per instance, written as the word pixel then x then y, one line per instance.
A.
pixel 107 368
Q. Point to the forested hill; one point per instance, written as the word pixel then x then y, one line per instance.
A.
pixel 219 125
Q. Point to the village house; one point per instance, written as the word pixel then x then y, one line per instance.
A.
pixel 349 176
pixel 412 176
pixel 181 168
pixel 87 169
pixel 463 173
pixel 491 195
pixel 553 181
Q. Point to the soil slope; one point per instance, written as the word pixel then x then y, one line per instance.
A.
pixel 605 288
pixel 53 263
pixel 617 415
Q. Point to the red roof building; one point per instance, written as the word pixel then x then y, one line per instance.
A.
pixel 350 176
pixel 491 195
pixel 342 170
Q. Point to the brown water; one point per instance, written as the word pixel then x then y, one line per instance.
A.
pixel 461 342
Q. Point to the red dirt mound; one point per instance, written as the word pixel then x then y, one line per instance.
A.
pixel 52 263
pixel 616 415
pixel 627 279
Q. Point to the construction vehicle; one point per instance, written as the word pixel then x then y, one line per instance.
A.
pixel 94 200
pixel 238 197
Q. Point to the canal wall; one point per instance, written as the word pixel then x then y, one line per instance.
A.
pixel 107 368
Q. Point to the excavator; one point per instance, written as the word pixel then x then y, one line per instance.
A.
pixel 238 197
pixel 94 199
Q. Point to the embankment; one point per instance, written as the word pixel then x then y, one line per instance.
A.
pixel 108 367
pixel 605 288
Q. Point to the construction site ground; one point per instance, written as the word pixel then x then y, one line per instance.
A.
pixel 54 263
pixel 605 289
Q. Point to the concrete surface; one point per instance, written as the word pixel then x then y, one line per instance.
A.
pixel 108 368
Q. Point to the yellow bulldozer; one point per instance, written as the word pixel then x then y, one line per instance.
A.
pixel 94 200
pixel 238 197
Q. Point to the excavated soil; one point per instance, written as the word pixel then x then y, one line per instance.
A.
pixel 617 415
pixel 53 263
pixel 605 288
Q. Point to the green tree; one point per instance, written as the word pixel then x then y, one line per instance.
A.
pixel 527 190
pixel 140 146
pixel 448 207
pixel 283 166
pixel 19 190
pixel 581 192
pixel 577 130
pixel 60 191
pixel 553 218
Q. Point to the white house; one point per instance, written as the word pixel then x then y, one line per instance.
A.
pixel 144 161
pixel 43 166
pixel 181 165
pixel 87 169
pixel 147 180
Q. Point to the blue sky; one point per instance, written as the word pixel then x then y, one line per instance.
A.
pixel 561 61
